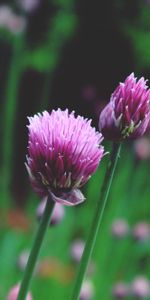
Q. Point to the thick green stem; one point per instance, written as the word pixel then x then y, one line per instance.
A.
pixel 99 210
pixel 36 249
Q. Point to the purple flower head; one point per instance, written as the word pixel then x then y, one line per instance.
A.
pixel 63 152
pixel 128 113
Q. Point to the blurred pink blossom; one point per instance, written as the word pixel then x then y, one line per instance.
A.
pixel 28 5
pixel 140 287
pixel 9 20
pixel 5 15
pixel 141 231
pixel 87 290
pixel 16 24
pixel 14 293
pixel 57 215
pixel 120 228
pixel 22 260
pixel 142 148
pixel 77 248
pixel 120 290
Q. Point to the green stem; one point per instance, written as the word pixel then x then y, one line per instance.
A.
pixel 96 220
pixel 36 249
pixel 9 115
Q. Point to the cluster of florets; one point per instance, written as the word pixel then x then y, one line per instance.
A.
pixel 64 151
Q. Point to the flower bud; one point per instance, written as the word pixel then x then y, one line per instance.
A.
pixel 127 115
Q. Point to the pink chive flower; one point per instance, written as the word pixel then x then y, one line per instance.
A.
pixel 128 113
pixel 63 152
pixel 13 294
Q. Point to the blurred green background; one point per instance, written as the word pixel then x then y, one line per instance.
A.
pixel 71 53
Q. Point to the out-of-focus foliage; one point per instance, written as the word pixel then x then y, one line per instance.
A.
pixel 137 28
pixel 45 57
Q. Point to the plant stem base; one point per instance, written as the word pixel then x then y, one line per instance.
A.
pixel 36 249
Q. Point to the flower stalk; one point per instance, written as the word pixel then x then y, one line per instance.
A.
pixel 97 218
pixel 10 109
pixel 36 249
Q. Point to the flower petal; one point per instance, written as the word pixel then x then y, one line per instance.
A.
pixel 71 198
